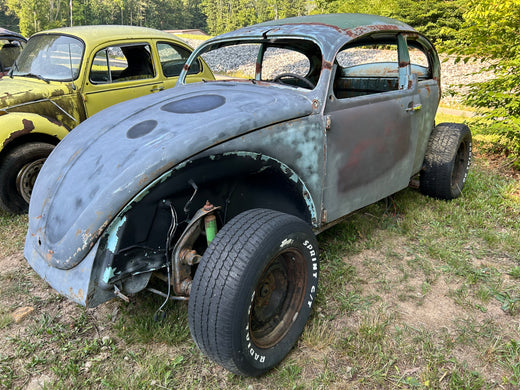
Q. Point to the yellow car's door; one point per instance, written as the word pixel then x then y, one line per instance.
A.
pixel 118 73
pixel 172 58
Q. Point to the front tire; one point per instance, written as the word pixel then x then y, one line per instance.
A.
pixel 253 291
pixel 18 171
pixel 446 161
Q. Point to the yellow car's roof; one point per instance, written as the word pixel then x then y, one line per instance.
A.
pixel 94 35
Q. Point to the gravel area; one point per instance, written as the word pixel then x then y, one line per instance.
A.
pixel 454 77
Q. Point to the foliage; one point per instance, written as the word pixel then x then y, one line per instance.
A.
pixel 37 15
pixel 437 19
pixel 8 21
pixel 490 34
pixel 233 14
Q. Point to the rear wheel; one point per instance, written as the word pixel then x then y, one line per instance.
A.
pixel 253 291
pixel 18 171
pixel 446 161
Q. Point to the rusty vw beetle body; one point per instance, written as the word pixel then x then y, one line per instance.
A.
pixel 219 188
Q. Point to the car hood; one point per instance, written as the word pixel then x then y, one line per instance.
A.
pixel 108 159
pixel 19 90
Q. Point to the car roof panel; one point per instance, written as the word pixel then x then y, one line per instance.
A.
pixel 95 35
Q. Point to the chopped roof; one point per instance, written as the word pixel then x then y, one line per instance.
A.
pixel 331 30
pixel 341 21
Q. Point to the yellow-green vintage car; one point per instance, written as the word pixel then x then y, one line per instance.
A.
pixel 66 75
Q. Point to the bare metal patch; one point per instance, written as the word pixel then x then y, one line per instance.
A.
pixel 141 129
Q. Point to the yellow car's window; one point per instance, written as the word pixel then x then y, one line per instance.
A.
pixel 172 59
pixel 122 63
pixel 50 57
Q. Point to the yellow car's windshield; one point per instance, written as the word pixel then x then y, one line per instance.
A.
pixel 50 57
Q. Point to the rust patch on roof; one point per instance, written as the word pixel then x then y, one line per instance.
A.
pixel 362 30
pixel 351 32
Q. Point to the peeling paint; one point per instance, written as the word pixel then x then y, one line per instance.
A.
pixel 109 273
pixel 113 235
pixel 28 126
pixel 78 295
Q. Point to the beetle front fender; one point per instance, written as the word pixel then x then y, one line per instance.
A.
pixel 74 283
pixel 235 181
pixel 20 124
pixel 133 242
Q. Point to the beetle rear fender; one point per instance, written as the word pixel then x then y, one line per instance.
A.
pixel 19 127
pixel 135 241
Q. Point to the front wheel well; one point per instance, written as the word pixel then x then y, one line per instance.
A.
pixel 29 138
pixel 234 182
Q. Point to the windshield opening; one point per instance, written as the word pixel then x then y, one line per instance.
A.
pixel 292 62
pixel 50 57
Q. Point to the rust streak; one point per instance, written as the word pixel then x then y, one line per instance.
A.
pixel 56 122
pixel 145 179
pixel 326 65
pixel 28 126
pixel 79 296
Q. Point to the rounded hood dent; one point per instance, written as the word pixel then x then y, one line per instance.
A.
pixel 108 159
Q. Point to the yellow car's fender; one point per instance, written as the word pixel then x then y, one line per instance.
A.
pixel 29 126
pixel 26 139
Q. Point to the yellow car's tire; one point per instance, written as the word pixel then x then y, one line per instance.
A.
pixel 18 171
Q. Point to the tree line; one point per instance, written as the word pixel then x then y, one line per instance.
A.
pixel 439 19
pixel 38 15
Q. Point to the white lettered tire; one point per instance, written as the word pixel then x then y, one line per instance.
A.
pixel 253 291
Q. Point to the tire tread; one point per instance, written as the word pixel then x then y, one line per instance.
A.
pixel 218 280
pixel 436 176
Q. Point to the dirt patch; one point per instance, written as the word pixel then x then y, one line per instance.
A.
pixel 435 304
pixel 435 310
pixel 13 263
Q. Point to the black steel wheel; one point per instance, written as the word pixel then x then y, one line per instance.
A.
pixel 446 161
pixel 18 171
pixel 253 291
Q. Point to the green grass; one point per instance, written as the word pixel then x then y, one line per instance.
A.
pixel 442 117
pixel 415 293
